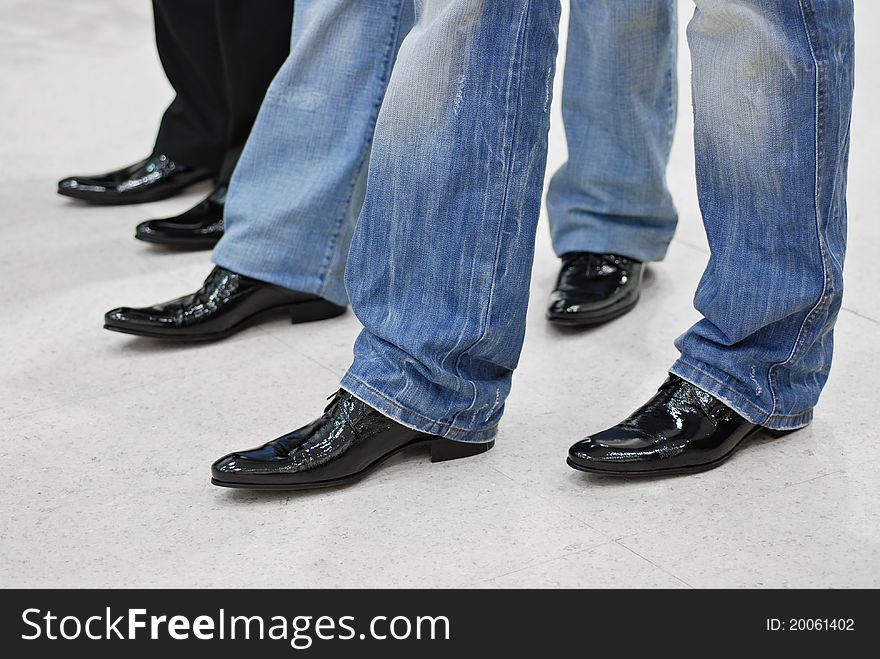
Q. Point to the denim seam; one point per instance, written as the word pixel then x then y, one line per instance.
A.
pixel 824 300
pixel 805 416
pixel 790 416
pixel 402 408
pixel 521 40
pixel 731 393
pixel 377 104
pixel 671 79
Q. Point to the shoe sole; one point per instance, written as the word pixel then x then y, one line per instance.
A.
pixel 301 312
pixel 96 198
pixel 442 450
pixel 676 471
pixel 183 243
pixel 591 321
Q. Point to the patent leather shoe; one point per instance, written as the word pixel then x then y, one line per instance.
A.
pixel 198 228
pixel 594 288
pixel 152 179
pixel 681 430
pixel 345 444
pixel 225 304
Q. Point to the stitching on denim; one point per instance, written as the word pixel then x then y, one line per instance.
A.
pixel 802 415
pixel 402 408
pixel 516 74
pixel 672 79
pixel 810 31
pixel 672 111
pixel 733 394
pixel 365 149
pixel 728 391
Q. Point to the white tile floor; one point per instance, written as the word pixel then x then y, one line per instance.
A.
pixel 106 440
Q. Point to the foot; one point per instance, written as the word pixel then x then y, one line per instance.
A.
pixel 345 444
pixel 198 228
pixel 681 430
pixel 594 288
pixel 225 304
pixel 152 179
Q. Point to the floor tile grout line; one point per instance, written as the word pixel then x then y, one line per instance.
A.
pixel 575 517
pixel 651 528
pixel 690 245
pixel 589 549
pixel 659 567
pixel 783 488
pixel 814 478
pixel 861 315
pixel 748 498
pixel 81 401
pixel 775 492
pixel 556 506
pixel 552 560
pixel 129 389
pixel 300 352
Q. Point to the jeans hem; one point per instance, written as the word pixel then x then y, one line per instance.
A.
pixel 712 381
pixel 405 416
pixel 229 259
pixel 630 246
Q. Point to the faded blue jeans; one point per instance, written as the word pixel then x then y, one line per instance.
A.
pixel 416 133
pixel 440 255
pixel 619 105
pixel 772 87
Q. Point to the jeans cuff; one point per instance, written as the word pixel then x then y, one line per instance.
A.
pixel 631 246
pixel 712 381
pixel 229 258
pixel 408 417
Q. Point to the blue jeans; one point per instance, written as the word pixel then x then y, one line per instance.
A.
pixel 773 84
pixel 772 99
pixel 297 190
pixel 619 107
pixel 419 138
pixel 440 255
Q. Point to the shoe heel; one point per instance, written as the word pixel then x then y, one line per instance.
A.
pixel 780 433
pixel 306 312
pixel 446 449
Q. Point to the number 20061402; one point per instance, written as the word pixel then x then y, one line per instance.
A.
pixel 811 625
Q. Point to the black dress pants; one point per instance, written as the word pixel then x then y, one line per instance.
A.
pixel 220 56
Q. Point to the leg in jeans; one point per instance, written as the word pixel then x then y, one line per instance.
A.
pixel 298 187
pixel 619 108
pixel 773 82
pixel 609 207
pixel 299 184
pixel 440 262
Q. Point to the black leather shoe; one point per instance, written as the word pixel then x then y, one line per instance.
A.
pixel 225 304
pixel 198 228
pixel 681 430
pixel 594 288
pixel 155 178
pixel 344 445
